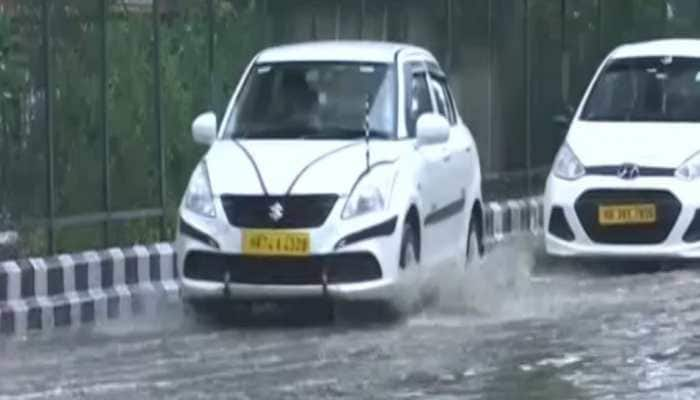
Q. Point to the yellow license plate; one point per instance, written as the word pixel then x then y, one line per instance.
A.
pixel 276 243
pixel 627 214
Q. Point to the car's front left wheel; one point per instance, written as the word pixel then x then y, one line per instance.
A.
pixel 474 243
pixel 410 285
pixel 407 288
pixel 409 248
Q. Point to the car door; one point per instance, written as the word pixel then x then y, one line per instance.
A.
pixel 458 157
pixel 432 171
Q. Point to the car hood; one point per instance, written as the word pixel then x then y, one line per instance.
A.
pixel 665 145
pixel 310 166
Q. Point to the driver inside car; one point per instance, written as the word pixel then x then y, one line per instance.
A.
pixel 302 109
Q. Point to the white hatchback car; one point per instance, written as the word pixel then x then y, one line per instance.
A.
pixel 337 168
pixel 626 181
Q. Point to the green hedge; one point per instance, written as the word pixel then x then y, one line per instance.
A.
pixel 198 75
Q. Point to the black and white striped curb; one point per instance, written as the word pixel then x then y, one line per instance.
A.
pixel 87 287
pixel 97 286
pixel 502 219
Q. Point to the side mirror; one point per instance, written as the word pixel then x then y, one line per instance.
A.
pixel 204 128
pixel 432 129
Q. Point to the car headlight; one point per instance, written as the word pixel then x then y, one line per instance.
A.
pixel 199 198
pixel 371 194
pixel 690 169
pixel 567 165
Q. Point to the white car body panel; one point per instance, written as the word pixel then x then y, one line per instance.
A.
pixel 663 47
pixel 231 172
pixel 357 51
pixel 664 145
pixel 649 144
pixel 426 179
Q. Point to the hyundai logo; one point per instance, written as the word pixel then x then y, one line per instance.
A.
pixel 276 212
pixel 628 171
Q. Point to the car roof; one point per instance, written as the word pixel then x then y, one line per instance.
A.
pixel 339 50
pixel 663 47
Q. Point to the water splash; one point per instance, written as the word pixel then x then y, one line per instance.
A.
pixel 503 285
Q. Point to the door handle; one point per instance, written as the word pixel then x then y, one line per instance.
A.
pixel 447 158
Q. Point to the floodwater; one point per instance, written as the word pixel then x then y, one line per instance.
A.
pixel 515 327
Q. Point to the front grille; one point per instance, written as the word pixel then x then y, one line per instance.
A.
pixel 644 172
pixel 667 210
pixel 340 268
pixel 298 211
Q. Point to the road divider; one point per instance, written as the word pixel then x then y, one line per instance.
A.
pixel 86 287
pixel 504 218
pixel 92 287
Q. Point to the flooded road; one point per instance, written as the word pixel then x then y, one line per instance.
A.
pixel 513 328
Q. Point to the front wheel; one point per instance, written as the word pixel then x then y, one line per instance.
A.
pixel 409 248
pixel 474 245
pixel 410 285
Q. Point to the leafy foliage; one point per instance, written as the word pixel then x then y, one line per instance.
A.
pixel 197 74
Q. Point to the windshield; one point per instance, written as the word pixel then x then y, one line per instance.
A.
pixel 647 89
pixel 315 101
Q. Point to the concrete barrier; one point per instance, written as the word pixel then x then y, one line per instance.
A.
pixel 87 287
pixel 97 286
pixel 502 219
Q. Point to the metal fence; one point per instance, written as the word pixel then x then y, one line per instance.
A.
pixel 97 96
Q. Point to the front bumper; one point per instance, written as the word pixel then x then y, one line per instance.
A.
pixel 564 195
pixel 211 265
pixel 383 289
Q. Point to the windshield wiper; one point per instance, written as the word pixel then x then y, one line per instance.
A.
pixel 267 133
pixel 344 133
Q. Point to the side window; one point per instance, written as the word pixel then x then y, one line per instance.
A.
pixel 440 100
pixel 451 107
pixel 444 99
pixel 417 101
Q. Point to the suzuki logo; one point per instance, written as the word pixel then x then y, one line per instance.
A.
pixel 276 212
pixel 628 171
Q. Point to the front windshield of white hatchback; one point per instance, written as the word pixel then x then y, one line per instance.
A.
pixel 315 101
pixel 663 89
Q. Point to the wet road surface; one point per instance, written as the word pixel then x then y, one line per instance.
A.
pixel 517 329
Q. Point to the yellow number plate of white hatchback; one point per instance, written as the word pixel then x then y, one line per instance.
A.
pixel 627 214
pixel 276 243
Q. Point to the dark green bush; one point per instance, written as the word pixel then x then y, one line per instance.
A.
pixel 198 74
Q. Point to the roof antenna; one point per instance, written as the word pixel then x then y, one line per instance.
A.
pixel 368 104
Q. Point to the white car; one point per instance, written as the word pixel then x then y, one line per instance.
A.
pixel 626 182
pixel 338 168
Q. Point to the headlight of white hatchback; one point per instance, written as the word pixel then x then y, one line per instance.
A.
pixel 567 165
pixel 198 197
pixel 690 169
pixel 371 194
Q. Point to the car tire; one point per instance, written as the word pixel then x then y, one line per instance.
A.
pixel 475 248
pixel 412 290
pixel 409 248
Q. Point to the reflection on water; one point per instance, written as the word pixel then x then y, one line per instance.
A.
pixel 543 329
pixel 516 326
